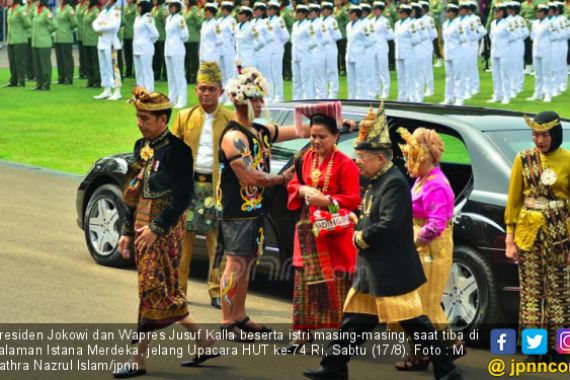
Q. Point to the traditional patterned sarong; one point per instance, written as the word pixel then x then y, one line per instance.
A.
pixel 544 273
pixel 436 257
pixel 388 309
pixel 202 211
pixel 306 315
pixel 161 302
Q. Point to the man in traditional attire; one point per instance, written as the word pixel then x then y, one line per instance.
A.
pixel 200 128
pixel 244 174
pixel 158 189
pixel 389 271
pixel 537 220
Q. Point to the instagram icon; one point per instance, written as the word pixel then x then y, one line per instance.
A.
pixel 563 341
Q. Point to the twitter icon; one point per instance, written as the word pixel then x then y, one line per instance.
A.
pixel 534 341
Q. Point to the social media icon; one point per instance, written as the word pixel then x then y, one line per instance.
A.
pixel 503 341
pixel 563 341
pixel 534 341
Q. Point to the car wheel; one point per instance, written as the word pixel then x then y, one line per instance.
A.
pixel 470 299
pixel 103 216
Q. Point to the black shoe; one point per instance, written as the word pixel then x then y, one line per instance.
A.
pixel 37 89
pixel 456 374
pixel 198 359
pixel 60 82
pixel 244 326
pixel 21 85
pixel 88 85
pixel 233 332
pixel 294 348
pixel 326 373
pixel 127 372
pixel 216 302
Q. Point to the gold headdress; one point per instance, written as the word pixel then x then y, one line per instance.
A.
pixel 147 101
pixel 209 73
pixel 413 151
pixel 541 127
pixel 373 132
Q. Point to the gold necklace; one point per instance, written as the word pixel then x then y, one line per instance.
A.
pixel 316 172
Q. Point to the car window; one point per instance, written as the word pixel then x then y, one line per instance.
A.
pixel 514 141
pixel 455 151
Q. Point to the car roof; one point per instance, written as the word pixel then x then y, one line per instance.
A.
pixel 482 118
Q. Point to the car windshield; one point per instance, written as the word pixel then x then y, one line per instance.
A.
pixel 513 141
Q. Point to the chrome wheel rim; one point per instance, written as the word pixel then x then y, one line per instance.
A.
pixel 460 299
pixel 103 226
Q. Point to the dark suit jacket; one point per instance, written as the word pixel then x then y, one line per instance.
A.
pixel 390 266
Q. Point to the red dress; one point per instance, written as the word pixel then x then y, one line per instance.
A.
pixel 344 187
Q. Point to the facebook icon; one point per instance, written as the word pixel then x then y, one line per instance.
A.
pixel 503 341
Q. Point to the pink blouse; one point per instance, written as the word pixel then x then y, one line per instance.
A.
pixel 433 200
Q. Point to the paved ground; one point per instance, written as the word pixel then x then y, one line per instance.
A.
pixel 47 276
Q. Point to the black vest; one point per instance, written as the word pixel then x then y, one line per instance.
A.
pixel 237 201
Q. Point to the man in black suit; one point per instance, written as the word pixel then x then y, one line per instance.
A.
pixel 389 271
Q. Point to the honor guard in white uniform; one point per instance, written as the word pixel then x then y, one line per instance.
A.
pixel 302 41
pixel 560 48
pixel 502 35
pixel 357 40
pixel 317 52
pixel 419 53
pixel 406 37
pixel 331 34
pixel 144 37
pixel 542 36
pixel 210 35
pixel 382 34
pixel 107 24
pixel 246 41
pixel 427 49
pixel 522 33
pixel 228 49
pixel 454 38
pixel 280 36
pixel 174 52
pixel 263 54
pixel 475 25
pixel 368 55
pixel 465 58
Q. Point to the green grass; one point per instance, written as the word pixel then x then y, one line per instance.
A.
pixel 65 129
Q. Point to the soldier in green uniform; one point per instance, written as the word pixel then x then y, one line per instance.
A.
pixel 193 18
pixel 128 20
pixel 79 14
pixel 32 7
pixel 43 26
pixel 65 21
pixel 436 8
pixel 18 24
pixel 90 39
pixel 289 18
pixel 341 15
pixel 160 13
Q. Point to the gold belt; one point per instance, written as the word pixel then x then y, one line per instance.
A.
pixel 544 204
pixel 420 222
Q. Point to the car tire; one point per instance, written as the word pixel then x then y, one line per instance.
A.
pixel 471 282
pixel 104 214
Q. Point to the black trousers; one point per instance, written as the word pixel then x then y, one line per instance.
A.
pixel 128 55
pixel 191 61
pixel 81 50
pixel 391 55
pixel 158 61
pixel 120 62
pixel 92 66
pixel 528 51
pixel 31 70
pixel 360 323
pixel 437 44
pixel 65 64
pixel 287 58
pixel 42 63
pixel 17 55
pixel 341 46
